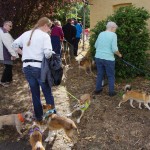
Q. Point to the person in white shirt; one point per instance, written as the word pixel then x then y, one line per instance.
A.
pixel 7 54
pixel 35 44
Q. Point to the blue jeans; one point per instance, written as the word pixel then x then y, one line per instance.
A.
pixel 109 67
pixel 32 75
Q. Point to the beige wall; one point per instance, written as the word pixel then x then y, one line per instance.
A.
pixel 103 8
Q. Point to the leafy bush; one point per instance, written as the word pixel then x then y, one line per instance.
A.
pixel 133 39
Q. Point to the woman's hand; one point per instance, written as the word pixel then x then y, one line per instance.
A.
pixel 19 51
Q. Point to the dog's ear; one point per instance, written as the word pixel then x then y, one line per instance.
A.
pixel 44 106
pixel 47 106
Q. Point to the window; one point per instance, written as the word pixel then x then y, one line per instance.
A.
pixel 115 7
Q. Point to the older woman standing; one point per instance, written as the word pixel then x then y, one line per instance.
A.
pixel 36 43
pixel 7 54
pixel 106 47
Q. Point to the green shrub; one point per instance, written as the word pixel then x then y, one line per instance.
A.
pixel 133 39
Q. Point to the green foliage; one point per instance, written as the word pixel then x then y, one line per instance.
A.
pixel 87 15
pixel 133 39
pixel 74 10
pixel 24 14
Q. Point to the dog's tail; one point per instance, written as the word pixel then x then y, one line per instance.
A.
pixel 127 88
pixel 39 146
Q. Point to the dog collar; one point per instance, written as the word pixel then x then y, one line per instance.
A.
pixel 49 112
pixel 85 107
pixel 20 117
pixel 34 129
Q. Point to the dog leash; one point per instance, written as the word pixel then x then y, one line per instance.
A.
pixel 129 64
pixel 72 96
pixel 67 42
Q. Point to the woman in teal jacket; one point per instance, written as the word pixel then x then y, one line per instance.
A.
pixel 106 47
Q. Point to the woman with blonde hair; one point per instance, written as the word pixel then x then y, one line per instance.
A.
pixel 35 44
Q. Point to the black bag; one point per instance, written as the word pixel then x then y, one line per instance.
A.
pixel 56 69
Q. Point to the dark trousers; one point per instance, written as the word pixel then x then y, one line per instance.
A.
pixel 76 42
pixel 56 44
pixel 33 76
pixel 109 67
pixel 7 73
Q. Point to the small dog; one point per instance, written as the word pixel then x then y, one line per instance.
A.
pixel 36 137
pixel 83 104
pixel 65 69
pixel 85 64
pixel 66 57
pixel 55 122
pixel 140 97
pixel 65 53
pixel 16 119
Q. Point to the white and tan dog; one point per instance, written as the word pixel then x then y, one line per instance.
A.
pixel 85 64
pixel 82 105
pixel 36 137
pixel 140 97
pixel 16 120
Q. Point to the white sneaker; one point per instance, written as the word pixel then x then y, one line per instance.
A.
pixel 4 84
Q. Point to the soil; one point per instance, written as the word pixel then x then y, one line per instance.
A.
pixel 103 125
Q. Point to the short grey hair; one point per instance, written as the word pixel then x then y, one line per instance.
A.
pixel 5 22
pixel 111 24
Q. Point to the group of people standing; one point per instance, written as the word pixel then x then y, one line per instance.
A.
pixel 36 44
pixel 69 35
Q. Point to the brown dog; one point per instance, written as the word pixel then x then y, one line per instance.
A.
pixel 36 138
pixel 85 64
pixel 140 97
pixel 66 57
pixel 83 104
pixel 56 122
pixel 65 53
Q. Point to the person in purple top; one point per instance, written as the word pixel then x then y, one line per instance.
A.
pixel 57 36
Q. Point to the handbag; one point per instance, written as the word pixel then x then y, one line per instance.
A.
pixel 55 65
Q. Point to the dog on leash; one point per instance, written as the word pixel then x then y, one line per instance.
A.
pixel 65 69
pixel 16 120
pixel 82 105
pixel 85 64
pixel 66 57
pixel 36 137
pixel 140 97
pixel 65 53
pixel 55 122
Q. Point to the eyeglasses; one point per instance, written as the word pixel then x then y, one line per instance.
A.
pixel 9 25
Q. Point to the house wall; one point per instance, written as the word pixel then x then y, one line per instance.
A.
pixel 103 8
